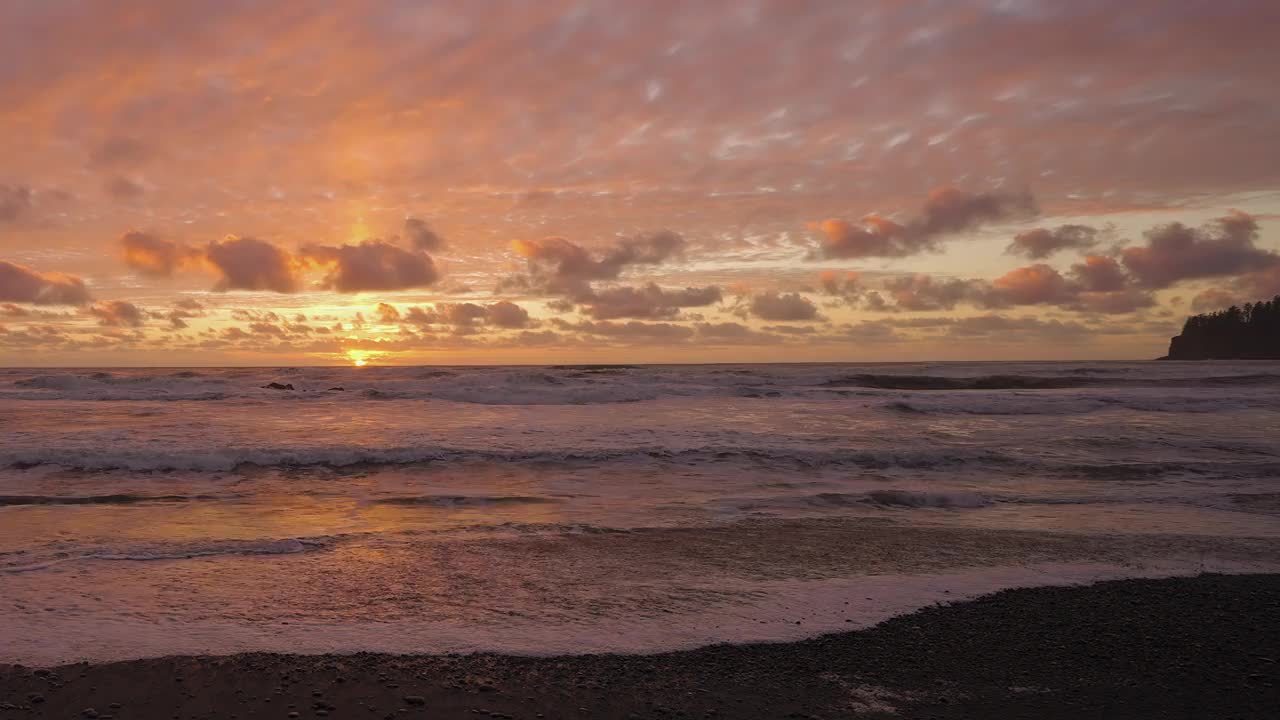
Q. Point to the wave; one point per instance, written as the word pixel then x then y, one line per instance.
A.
pixel 916 499
pixel 354 458
pixel 232 458
pixel 1264 503
pixel 116 499
pixel 582 385
pixel 888 498
pixel 994 404
pixel 1037 382
pixel 455 501
pixel 29 561
pixel 939 382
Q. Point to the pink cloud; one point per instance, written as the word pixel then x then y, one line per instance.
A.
pixel 245 263
pixel 23 285
pixel 947 210
pixel 1175 252
pixel 372 265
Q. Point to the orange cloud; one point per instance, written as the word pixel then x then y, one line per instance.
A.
pixel 152 255
pixel 947 210
pixel 117 313
pixel 372 265
pixel 24 285
pixel 245 263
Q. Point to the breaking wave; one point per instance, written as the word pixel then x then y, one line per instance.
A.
pixel 1037 382
pixel 232 458
pixel 40 559
pixel 115 499
pixel 888 498
pixel 456 501
pixel 580 385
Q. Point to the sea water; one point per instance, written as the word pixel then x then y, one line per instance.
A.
pixel 602 508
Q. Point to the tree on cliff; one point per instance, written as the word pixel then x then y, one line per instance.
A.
pixel 1252 331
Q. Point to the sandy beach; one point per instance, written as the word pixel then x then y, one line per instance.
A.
pixel 1175 648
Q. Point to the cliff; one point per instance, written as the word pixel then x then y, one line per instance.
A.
pixel 1251 332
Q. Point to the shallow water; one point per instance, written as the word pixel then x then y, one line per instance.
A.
pixel 571 509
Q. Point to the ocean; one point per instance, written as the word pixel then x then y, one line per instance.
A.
pixel 571 509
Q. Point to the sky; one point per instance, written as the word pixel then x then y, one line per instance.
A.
pixel 286 182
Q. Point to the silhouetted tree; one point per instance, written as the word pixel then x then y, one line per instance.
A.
pixel 1252 331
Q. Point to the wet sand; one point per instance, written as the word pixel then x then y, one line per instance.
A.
pixel 1178 648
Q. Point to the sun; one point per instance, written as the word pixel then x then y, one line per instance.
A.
pixel 359 358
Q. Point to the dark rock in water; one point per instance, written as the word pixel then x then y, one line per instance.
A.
pixel 278 386
pixel 336 389
pixel 1251 332
pixel 415 700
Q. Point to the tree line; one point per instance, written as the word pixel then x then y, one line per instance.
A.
pixel 1248 331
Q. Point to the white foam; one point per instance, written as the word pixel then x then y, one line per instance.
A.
pixel 781 611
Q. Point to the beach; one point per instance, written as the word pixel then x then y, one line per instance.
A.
pixel 410 359
pixel 1174 648
pixel 746 540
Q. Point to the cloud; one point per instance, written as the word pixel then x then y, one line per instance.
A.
pixel 246 315
pixel 783 307
pixel 845 285
pixel 647 302
pixel 1214 299
pixel 1040 243
pixel 245 263
pixel 631 330
pixel 421 236
pixel 387 314
pixel 1032 285
pixel 1099 273
pixel 501 314
pixel 1176 252
pixel 15 202
pixel 116 152
pixel 560 267
pixel 507 314
pixel 155 256
pixel 10 310
pixel 1098 285
pixel 372 265
pixel 1114 302
pixel 947 210
pixel 117 313
pixel 926 292
pixel 1263 284
pixel 123 188
pixel 1006 329
pixel 728 331
pixel 23 285
pixel 871 331
pixel 182 310
pixel 1251 287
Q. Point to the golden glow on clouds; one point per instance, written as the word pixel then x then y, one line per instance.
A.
pixel 360 358
pixel 779 144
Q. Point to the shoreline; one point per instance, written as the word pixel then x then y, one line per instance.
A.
pixel 1202 646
